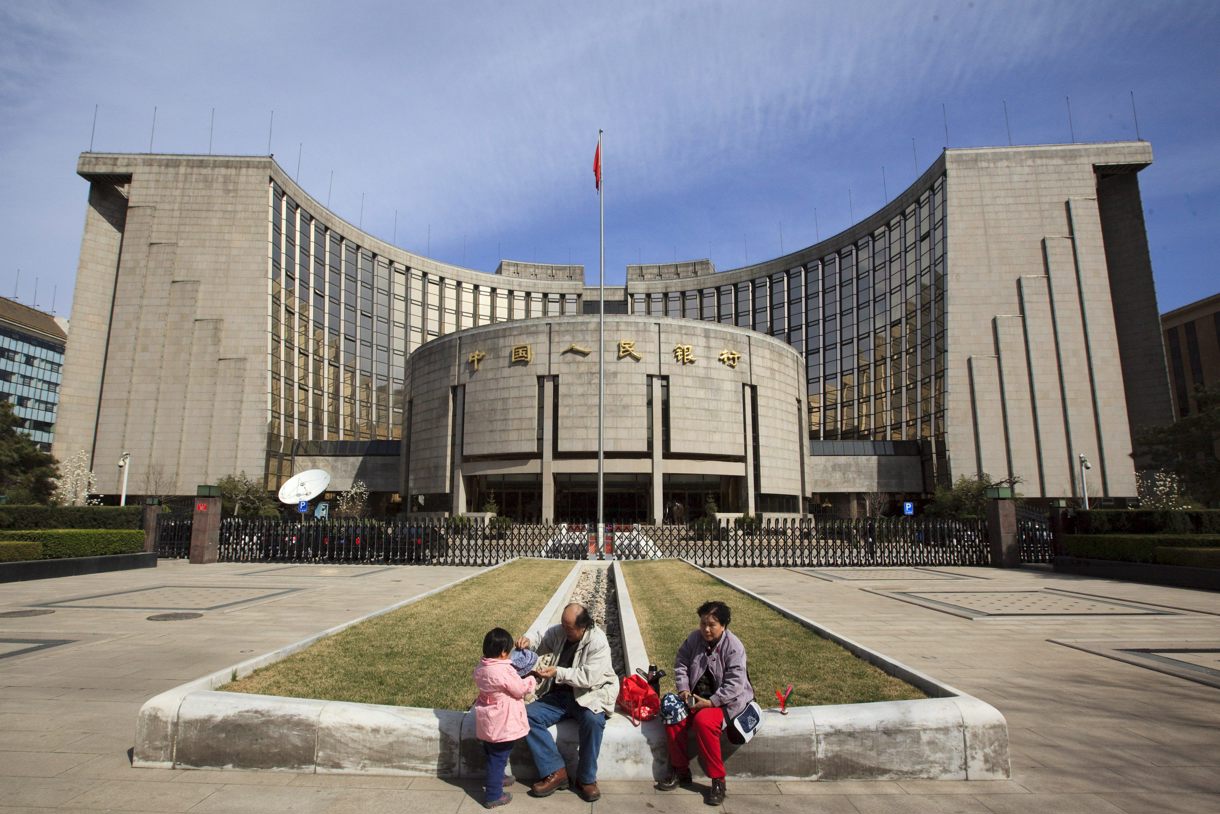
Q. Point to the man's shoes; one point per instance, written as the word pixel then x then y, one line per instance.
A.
pixel 589 792
pixel 504 800
pixel 715 795
pixel 673 780
pixel 550 784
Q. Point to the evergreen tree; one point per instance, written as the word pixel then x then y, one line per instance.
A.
pixel 26 472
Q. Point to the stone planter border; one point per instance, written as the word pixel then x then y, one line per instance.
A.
pixel 1177 576
pixel 74 566
pixel 951 736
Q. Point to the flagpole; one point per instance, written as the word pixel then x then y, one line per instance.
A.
pixel 601 347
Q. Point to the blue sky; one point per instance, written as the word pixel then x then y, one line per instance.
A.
pixel 733 130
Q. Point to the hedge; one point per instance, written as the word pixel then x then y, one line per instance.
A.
pixel 1191 557
pixel 1148 521
pixel 1133 547
pixel 70 517
pixel 19 550
pixel 60 543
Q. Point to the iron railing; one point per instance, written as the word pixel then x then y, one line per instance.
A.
pixel 1034 535
pixel 805 543
pixel 174 536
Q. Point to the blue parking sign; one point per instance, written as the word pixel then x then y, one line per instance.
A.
pixel 908 508
pixel 303 506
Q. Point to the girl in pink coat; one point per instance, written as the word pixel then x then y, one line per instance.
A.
pixel 499 714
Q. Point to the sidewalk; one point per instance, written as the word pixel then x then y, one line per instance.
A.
pixel 1087 733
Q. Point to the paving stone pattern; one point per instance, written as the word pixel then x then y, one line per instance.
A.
pixel 879 574
pixel 1087 733
pixel 173 597
pixel 1032 603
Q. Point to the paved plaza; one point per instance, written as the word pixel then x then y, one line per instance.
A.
pixel 1093 677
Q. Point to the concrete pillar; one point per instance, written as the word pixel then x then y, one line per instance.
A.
pixel 1002 533
pixel 548 445
pixel 205 531
pixel 747 414
pixel 658 454
pixel 457 488
pixel 149 521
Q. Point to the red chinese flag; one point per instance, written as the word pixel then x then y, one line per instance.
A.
pixel 597 166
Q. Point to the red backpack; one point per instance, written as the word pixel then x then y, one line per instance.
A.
pixel 637 699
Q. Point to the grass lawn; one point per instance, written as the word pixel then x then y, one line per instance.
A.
pixel 779 652
pixel 422 655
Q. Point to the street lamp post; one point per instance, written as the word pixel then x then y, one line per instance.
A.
pixel 1085 466
pixel 124 466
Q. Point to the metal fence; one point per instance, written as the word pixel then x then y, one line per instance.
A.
pixel 1034 535
pixel 174 536
pixel 806 543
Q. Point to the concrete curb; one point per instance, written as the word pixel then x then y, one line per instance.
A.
pixel 23 570
pixel 950 736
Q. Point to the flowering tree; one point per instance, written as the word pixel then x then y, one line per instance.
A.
pixel 1160 489
pixel 351 503
pixel 75 482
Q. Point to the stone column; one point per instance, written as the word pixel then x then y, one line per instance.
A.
pixel 658 453
pixel 457 488
pixel 149 518
pixel 1002 533
pixel 747 415
pixel 205 531
pixel 548 445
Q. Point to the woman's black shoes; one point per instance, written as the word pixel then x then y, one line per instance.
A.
pixel 673 780
pixel 715 795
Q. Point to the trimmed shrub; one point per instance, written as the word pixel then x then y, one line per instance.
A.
pixel 1191 557
pixel 60 543
pixel 70 517
pixel 1145 521
pixel 1132 547
pixel 19 550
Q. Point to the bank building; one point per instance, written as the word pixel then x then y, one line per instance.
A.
pixel 998 316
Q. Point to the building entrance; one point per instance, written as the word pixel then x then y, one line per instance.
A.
pixel 626 498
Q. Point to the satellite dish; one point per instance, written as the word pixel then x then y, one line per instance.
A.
pixel 304 486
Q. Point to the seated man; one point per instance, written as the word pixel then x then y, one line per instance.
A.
pixel 582 686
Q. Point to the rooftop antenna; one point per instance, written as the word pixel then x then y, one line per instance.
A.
pixel 781 237
pixel 745 249
pixel 944 112
pixel 429 239
pixel 1071 127
pixel 851 209
pixel 914 157
pixel 395 238
pixel 54 292
pixel 94 129
pixel 300 149
pixel 152 132
pixel 1135 117
pixel 885 189
pixel 360 224
pixel 817 233
pixel 17 284
pixel 329 187
pixel 270 126
pixel 35 292
pixel 1007 126
pixel 211 128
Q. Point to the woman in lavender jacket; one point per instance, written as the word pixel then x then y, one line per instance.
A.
pixel 710 673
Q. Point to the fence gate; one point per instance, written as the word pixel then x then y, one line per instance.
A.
pixel 1034 533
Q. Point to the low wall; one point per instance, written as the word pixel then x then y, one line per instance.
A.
pixel 1178 576
pixel 951 736
pixel 74 566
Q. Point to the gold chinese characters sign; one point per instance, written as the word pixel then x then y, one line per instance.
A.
pixel 474 358
pixel 729 358
pixel 626 347
pixel 522 355
pixel 684 354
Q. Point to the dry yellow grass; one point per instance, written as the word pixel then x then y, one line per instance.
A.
pixel 779 652
pixel 421 655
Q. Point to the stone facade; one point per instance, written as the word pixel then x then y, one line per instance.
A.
pixel 475 412
pixel 997 316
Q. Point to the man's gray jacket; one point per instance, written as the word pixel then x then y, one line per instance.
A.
pixel 591 676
